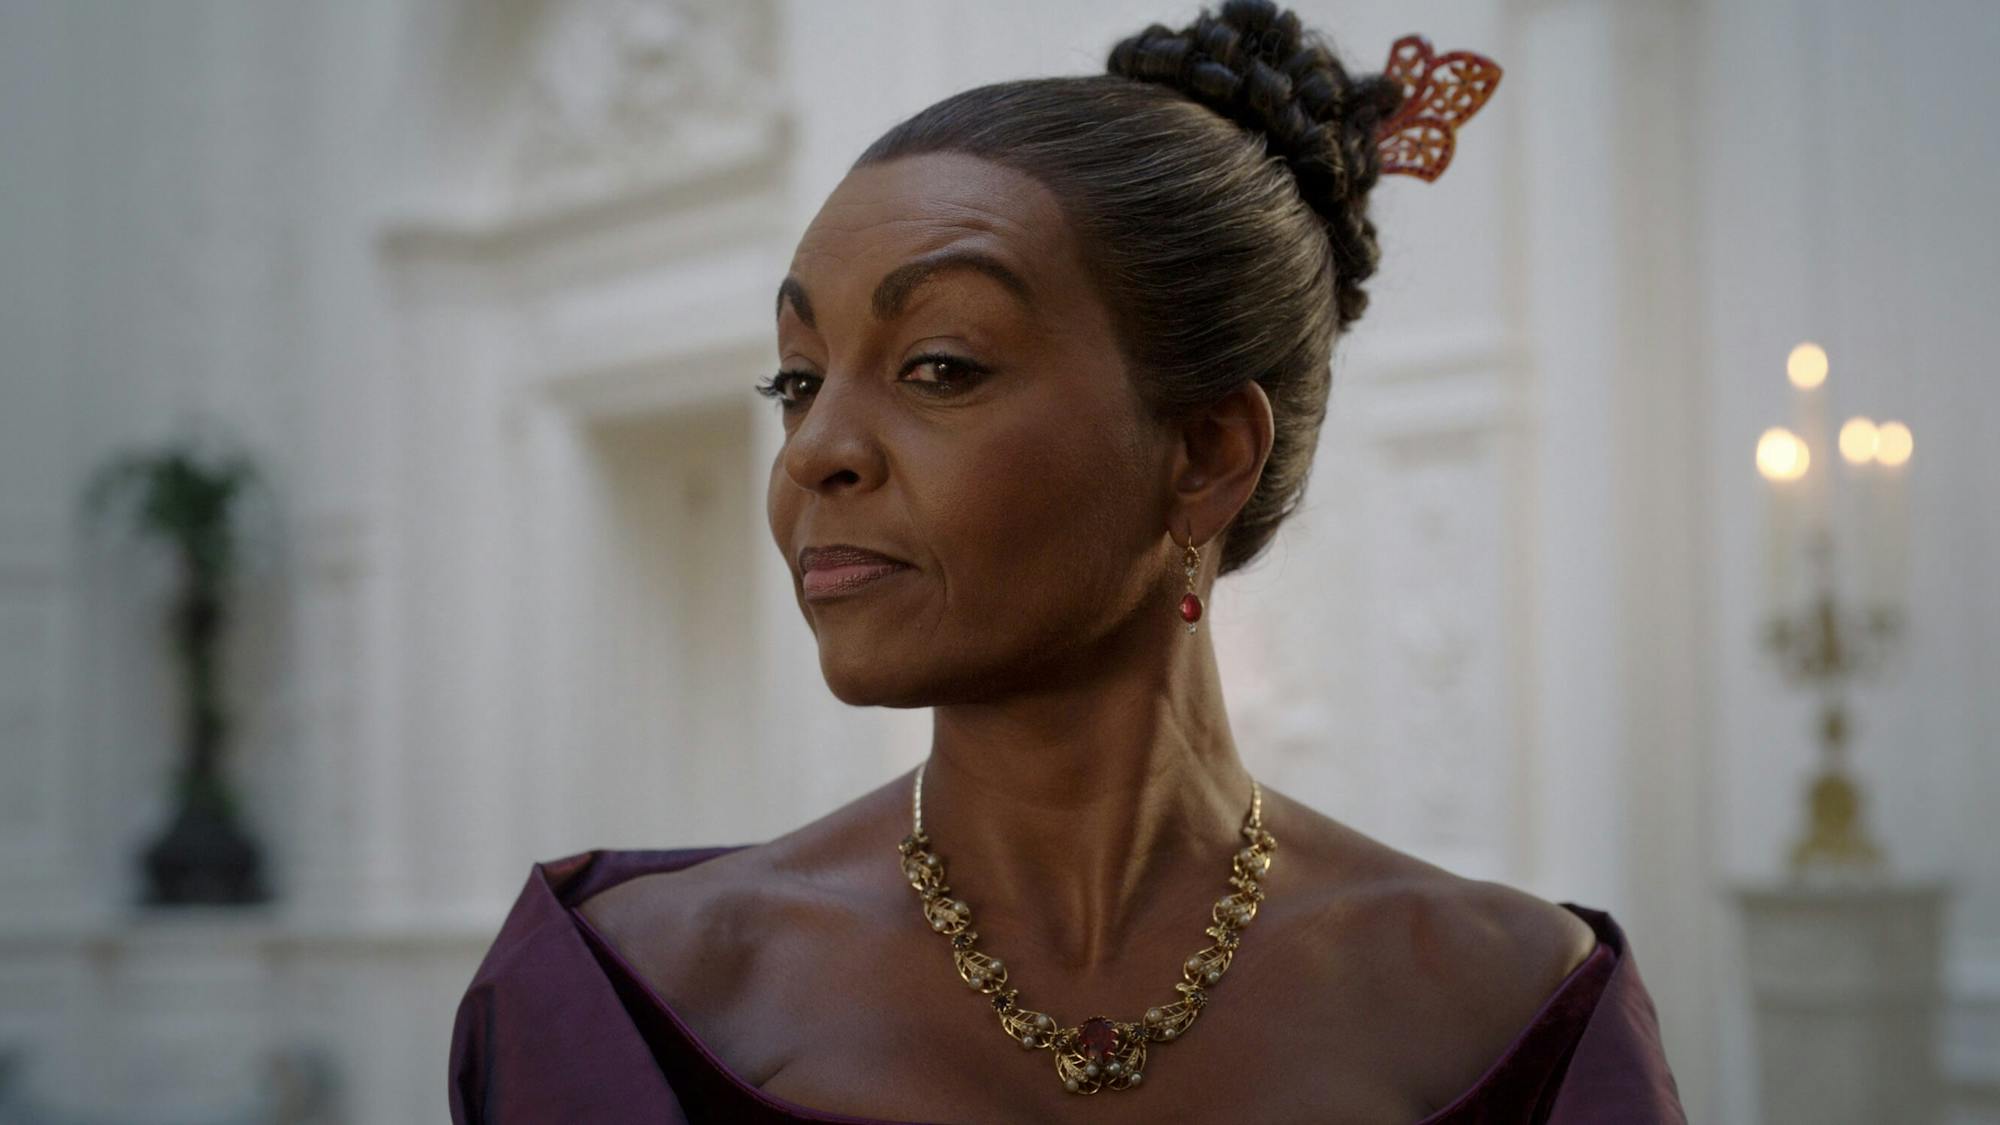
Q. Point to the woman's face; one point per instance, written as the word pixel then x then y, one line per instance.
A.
pixel 974 419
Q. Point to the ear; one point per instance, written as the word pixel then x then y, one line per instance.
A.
pixel 1219 460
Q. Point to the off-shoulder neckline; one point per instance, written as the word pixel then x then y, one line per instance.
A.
pixel 650 861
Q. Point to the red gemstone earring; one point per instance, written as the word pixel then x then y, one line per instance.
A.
pixel 1190 602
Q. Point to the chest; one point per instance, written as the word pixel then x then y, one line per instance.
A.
pixel 864 1037
pixel 910 1076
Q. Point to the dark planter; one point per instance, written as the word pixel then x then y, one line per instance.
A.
pixel 204 857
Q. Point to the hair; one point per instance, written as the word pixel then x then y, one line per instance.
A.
pixel 1217 178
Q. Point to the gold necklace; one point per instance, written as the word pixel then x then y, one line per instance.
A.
pixel 1100 1053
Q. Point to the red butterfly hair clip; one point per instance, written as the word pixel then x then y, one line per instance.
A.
pixel 1440 93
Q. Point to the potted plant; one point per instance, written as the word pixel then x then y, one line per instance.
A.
pixel 188 500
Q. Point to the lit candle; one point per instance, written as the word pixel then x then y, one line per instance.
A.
pixel 1782 459
pixel 1889 575
pixel 1859 502
pixel 1806 368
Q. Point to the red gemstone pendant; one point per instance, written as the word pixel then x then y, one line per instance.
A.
pixel 1191 608
pixel 1097 1038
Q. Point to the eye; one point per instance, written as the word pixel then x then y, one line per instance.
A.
pixel 953 375
pixel 950 375
pixel 774 387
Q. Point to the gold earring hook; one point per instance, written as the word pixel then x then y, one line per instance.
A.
pixel 1190 603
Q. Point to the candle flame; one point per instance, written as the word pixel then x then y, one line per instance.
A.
pixel 1893 443
pixel 1806 366
pixel 1782 455
pixel 1859 440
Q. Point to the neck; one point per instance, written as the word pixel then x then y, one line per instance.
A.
pixel 1080 819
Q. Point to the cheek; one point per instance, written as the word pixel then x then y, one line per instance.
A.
pixel 781 506
pixel 1020 520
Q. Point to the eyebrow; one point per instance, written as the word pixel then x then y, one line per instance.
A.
pixel 893 292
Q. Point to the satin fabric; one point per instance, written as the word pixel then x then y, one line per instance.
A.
pixel 557 1026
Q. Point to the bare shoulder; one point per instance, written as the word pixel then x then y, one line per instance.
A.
pixel 1452 927
pixel 1449 968
pixel 686 931
pixel 1500 948
pixel 1530 930
pixel 699 933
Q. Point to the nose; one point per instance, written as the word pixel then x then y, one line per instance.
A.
pixel 835 444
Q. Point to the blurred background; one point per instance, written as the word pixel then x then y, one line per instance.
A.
pixel 381 511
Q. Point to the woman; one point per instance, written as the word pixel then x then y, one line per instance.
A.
pixel 1054 359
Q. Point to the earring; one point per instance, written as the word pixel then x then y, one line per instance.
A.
pixel 1191 606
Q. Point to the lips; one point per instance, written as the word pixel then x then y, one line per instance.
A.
pixel 843 554
pixel 841 567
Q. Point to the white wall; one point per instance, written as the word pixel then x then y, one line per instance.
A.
pixel 1845 192
pixel 401 249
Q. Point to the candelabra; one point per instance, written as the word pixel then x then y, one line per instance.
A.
pixel 1826 646
pixel 1838 633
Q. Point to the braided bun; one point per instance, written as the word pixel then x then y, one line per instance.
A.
pixel 1254 64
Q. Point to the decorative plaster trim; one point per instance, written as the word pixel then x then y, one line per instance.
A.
pixel 1971 1040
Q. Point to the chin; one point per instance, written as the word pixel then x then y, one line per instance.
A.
pixel 872 689
pixel 868 680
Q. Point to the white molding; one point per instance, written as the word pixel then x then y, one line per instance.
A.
pixel 103 940
pixel 38 638
pixel 1971 1040
pixel 615 93
pixel 716 204
pixel 1457 403
pixel 1473 347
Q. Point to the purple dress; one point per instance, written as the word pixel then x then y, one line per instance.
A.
pixel 557 1026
